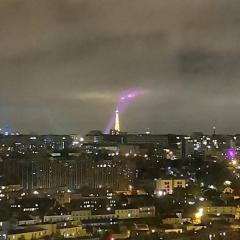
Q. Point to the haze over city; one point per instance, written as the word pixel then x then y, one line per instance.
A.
pixel 63 65
pixel 119 120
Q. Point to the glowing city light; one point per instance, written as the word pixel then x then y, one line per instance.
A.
pixel 227 183
pixel 231 153
pixel 234 162
pixel 161 193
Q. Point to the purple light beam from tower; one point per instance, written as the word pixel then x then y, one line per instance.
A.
pixel 125 98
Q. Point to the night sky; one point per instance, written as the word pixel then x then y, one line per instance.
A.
pixel 63 64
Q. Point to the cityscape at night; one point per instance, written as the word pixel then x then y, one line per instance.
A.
pixel 119 120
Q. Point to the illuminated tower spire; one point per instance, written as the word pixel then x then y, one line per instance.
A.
pixel 117 124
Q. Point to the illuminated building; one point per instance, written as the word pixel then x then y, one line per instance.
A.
pixel 67 229
pixel 97 137
pixel 76 173
pixel 187 147
pixel 94 137
pixel 168 185
pixel 161 140
pixel 119 213
pixel 34 143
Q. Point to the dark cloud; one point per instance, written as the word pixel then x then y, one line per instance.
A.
pixel 64 63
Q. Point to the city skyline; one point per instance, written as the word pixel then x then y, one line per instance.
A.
pixel 119 120
pixel 64 64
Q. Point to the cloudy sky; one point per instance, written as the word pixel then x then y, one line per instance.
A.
pixel 63 64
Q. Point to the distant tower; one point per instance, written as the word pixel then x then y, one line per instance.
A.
pixel 148 131
pixel 214 130
pixel 117 124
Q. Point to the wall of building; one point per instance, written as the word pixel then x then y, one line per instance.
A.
pixel 168 185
